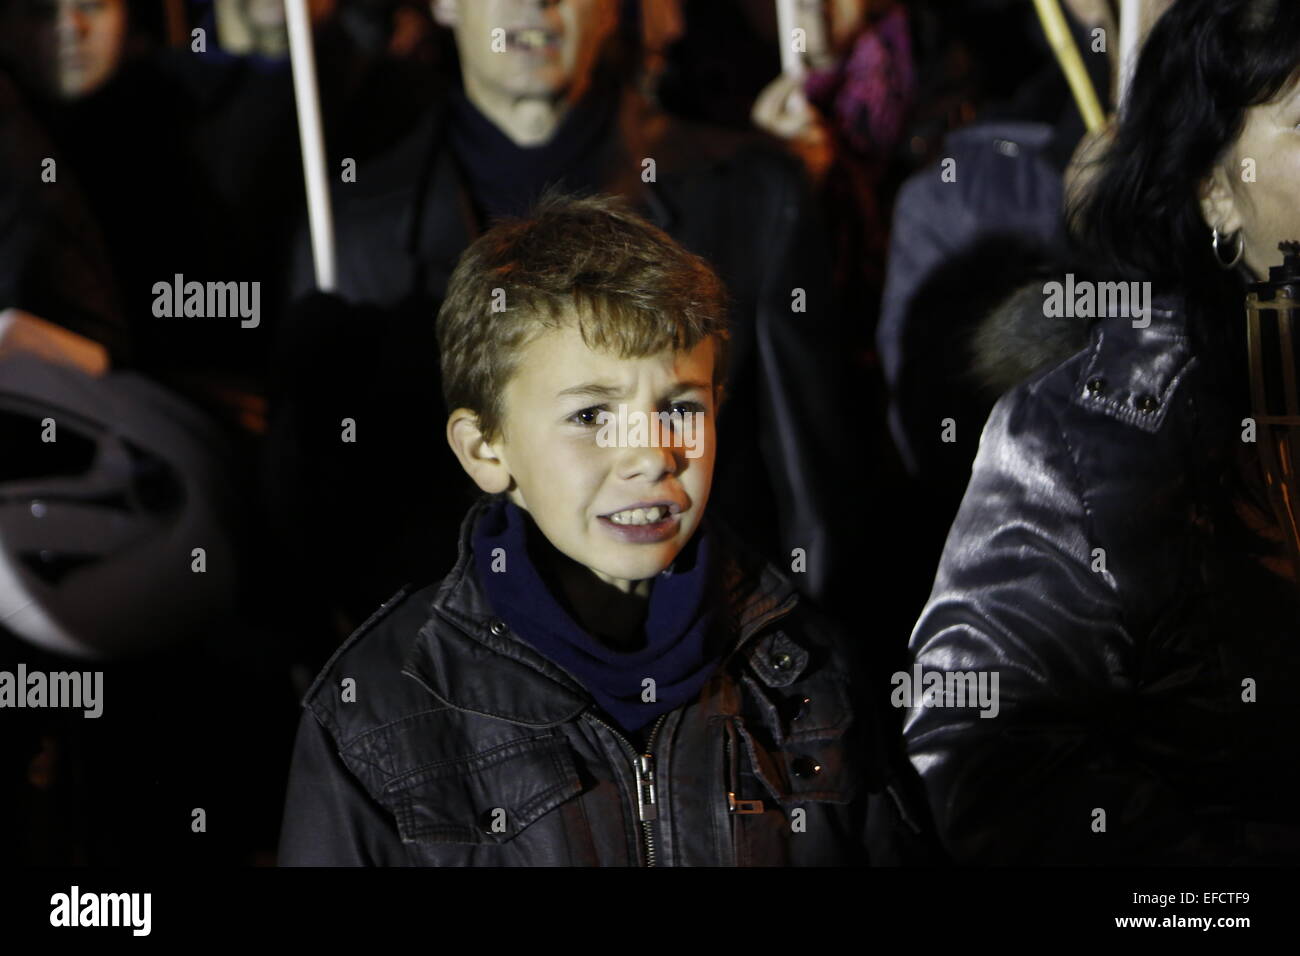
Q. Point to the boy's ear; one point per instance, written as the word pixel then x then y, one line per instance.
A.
pixel 476 455
pixel 1219 204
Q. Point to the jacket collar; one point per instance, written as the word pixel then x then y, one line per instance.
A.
pixel 1131 371
pixel 1017 340
pixel 467 658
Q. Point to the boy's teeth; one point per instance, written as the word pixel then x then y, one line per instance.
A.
pixel 640 515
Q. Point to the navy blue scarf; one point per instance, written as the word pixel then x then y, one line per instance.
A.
pixel 679 653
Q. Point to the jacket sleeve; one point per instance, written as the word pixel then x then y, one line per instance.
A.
pixel 329 818
pixel 1016 597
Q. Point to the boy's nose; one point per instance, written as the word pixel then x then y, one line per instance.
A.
pixel 652 461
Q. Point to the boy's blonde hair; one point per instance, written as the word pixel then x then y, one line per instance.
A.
pixel 631 289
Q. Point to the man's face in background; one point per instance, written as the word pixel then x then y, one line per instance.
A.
pixel 528 48
pixel 65 49
pixel 829 27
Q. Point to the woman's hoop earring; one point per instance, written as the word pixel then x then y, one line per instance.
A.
pixel 1241 249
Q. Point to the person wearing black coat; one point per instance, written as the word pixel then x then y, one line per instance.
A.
pixel 1116 573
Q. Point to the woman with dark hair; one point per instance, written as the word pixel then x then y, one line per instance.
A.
pixel 1104 669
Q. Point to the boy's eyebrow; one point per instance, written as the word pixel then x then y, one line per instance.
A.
pixel 590 390
pixel 687 386
pixel 601 390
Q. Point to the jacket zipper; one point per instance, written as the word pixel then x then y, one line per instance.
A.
pixel 643 772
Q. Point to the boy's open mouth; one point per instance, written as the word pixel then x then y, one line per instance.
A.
pixel 642 515
pixel 646 521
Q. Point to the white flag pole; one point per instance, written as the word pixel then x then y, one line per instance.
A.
pixel 1130 30
pixel 791 62
pixel 307 97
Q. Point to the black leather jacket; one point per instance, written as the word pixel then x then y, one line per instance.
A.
pixel 465 747
pixel 1124 636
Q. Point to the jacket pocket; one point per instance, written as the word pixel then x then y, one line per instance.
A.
pixel 815 767
pixel 776 817
pixel 488 797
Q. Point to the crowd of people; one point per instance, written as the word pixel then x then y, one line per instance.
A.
pixel 944 470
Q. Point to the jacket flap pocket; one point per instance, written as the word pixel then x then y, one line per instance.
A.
pixel 486 797
pixel 778 660
pixel 816 768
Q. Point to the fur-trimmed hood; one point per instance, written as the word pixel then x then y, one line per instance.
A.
pixel 1018 338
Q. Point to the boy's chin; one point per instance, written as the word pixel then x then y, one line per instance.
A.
pixel 634 569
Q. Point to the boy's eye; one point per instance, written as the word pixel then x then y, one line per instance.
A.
pixel 686 407
pixel 587 416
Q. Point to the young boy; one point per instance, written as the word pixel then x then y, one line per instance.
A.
pixel 606 677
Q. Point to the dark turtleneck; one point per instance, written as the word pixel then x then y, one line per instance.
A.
pixel 505 179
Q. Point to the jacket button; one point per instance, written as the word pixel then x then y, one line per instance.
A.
pixel 498 627
pixel 1148 403
pixel 1097 386
pixel 805 767
pixel 782 661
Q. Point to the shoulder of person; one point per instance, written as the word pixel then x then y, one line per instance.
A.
pixel 763 599
pixel 393 173
pixel 1108 433
pixel 1001 172
pixel 1128 370
pixel 681 145
pixel 362 686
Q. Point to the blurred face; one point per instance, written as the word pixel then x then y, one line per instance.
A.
pixel 662 25
pixel 622 509
pixel 527 48
pixel 1267 209
pixel 64 48
pixel 265 19
pixel 264 13
pixel 829 28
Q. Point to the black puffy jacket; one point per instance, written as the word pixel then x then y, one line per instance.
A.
pixel 1146 666
pixel 465 747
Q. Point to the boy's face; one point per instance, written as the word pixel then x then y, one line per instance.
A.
pixel 573 468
